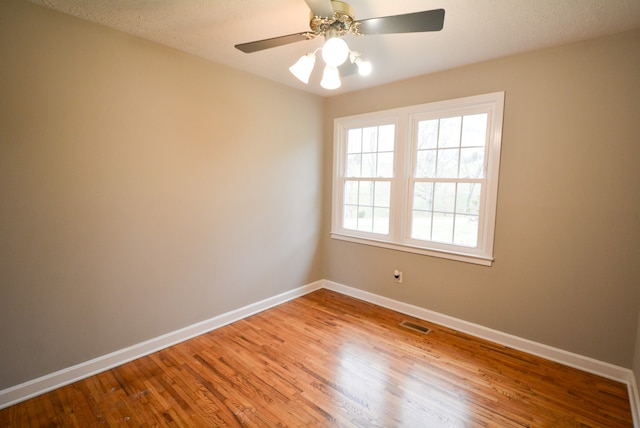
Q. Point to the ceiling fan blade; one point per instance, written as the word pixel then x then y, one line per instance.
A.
pixel 320 7
pixel 272 43
pixel 418 22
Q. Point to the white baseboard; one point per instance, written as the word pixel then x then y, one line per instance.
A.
pixel 580 362
pixel 32 388
pixel 634 398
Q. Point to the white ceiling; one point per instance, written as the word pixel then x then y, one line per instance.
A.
pixel 474 30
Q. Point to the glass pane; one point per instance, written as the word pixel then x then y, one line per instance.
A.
pixel 381 220
pixel 444 197
pixel 385 164
pixel 351 192
pixel 426 164
pixel 354 141
pixel 370 139
pixel 468 198
pixel 368 165
pixel 472 163
pixel 386 138
pixel 466 231
pixel 365 219
pixel 365 194
pixel 442 229
pixel 350 219
pixel 421 225
pixel 382 196
pixel 423 196
pixel 450 132
pixel 474 130
pixel 427 134
pixel 353 165
pixel 447 163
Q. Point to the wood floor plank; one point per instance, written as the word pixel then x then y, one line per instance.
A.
pixel 326 359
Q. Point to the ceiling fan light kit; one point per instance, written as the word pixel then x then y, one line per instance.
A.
pixel 333 19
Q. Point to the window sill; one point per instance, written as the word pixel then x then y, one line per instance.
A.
pixel 460 257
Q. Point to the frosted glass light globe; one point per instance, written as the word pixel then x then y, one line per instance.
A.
pixel 364 67
pixel 303 68
pixel 335 51
pixel 330 78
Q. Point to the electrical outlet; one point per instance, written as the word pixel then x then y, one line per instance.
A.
pixel 397 276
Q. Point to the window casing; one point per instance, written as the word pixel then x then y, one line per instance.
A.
pixel 422 179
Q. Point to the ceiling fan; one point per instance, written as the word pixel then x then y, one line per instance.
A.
pixel 334 19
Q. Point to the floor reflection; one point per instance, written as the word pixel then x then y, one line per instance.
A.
pixel 392 391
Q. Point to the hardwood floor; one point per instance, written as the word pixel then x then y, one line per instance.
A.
pixel 330 360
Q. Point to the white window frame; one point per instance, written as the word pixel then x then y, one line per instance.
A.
pixel 399 237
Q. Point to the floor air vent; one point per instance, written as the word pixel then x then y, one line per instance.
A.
pixel 415 327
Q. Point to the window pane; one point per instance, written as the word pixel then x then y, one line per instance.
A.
pixel 474 130
pixel 426 164
pixel 367 206
pixel 365 219
pixel 381 220
pixel 370 139
pixel 353 165
pixel 350 218
pixel 385 164
pixel 354 141
pixel 423 196
pixel 468 198
pixel 466 230
pixel 472 163
pixel 421 225
pixel 444 197
pixel 382 196
pixel 368 165
pixel 442 229
pixel 447 166
pixel 427 134
pixel 366 193
pixel 386 138
pixel 450 132
pixel 351 192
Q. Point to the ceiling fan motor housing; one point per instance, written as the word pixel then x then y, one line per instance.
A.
pixel 342 21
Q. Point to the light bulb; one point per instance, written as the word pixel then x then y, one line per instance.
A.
pixel 364 67
pixel 330 78
pixel 303 67
pixel 335 51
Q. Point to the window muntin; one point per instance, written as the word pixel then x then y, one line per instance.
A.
pixel 422 178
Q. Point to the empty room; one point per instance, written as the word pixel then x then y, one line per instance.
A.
pixel 320 213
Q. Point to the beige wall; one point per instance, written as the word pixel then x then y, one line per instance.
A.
pixel 141 189
pixel 567 270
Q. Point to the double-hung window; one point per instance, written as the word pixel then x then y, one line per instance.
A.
pixel 422 179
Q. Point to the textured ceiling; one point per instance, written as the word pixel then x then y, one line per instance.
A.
pixel 474 30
